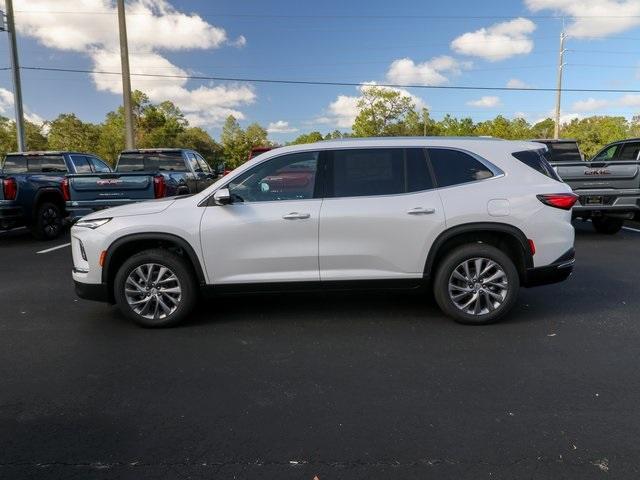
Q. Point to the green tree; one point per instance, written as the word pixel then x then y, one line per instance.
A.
pixel 233 143
pixel 382 112
pixel 593 133
pixel 310 137
pixel 68 132
pixel 199 140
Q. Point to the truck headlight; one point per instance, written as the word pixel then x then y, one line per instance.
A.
pixel 93 223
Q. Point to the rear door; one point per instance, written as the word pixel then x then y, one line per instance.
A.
pixel 380 214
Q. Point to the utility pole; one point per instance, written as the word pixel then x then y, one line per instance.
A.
pixel 556 130
pixel 15 67
pixel 126 79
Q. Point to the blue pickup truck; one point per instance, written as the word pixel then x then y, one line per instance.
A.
pixel 140 175
pixel 33 192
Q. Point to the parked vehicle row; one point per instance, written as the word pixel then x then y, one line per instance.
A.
pixel 473 219
pixel 608 185
pixel 43 190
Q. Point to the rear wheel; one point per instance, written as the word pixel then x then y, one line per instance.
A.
pixel 47 224
pixel 476 284
pixel 607 225
pixel 155 288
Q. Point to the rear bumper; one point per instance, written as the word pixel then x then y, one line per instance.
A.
pixel 11 217
pixel 97 292
pixel 556 272
pixel 623 203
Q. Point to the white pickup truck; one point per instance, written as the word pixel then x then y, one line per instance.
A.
pixel 608 185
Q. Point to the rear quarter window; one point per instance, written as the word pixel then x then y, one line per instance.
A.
pixel 536 160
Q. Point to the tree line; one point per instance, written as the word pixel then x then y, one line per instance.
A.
pixel 381 112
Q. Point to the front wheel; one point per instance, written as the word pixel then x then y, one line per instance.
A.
pixel 476 284
pixel 607 225
pixel 155 288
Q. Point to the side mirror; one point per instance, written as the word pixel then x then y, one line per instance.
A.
pixel 222 197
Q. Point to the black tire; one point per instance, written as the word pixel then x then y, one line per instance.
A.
pixel 47 224
pixel 452 261
pixel 185 282
pixel 607 225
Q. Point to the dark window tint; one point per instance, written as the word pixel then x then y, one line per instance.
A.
pixel 563 152
pixel 378 171
pixel 81 163
pixel 15 164
pixel 34 164
pixel 452 167
pixel 203 163
pixel 629 151
pixel 99 166
pixel 607 153
pixel 151 162
pixel 289 177
pixel 536 160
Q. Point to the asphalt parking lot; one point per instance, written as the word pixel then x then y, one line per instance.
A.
pixel 366 385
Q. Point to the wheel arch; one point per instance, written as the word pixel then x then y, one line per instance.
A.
pixel 501 235
pixel 47 194
pixel 124 247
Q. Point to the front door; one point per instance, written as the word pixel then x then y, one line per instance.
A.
pixel 270 231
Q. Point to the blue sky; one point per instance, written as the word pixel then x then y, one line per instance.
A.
pixel 432 43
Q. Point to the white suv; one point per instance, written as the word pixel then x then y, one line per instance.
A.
pixel 472 218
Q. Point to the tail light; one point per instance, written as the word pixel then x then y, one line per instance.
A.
pixel 10 188
pixel 64 185
pixel 563 201
pixel 159 186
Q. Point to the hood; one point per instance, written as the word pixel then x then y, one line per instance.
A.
pixel 140 208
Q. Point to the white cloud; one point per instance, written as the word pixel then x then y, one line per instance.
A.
pixel 485 102
pixel 280 127
pixel 593 18
pixel 342 112
pixel 517 83
pixel 592 104
pixel 497 42
pixel 6 108
pixel 405 71
pixel 152 26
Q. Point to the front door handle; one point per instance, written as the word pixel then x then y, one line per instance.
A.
pixel 296 216
pixel 421 211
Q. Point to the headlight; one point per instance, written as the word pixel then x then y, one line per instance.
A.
pixel 93 224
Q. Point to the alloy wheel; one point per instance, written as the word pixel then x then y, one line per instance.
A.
pixel 153 291
pixel 478 286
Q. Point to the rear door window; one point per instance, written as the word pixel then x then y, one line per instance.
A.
pixel 629 151
pixel 203 163
pixel 454 167
pixel 81 163
pixel 193 161
pixel 377 171
pixel 99 166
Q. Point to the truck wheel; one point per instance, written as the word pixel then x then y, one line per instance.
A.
pixel 476 284
pixel 607 225
pixel 47 224
pixel 155 288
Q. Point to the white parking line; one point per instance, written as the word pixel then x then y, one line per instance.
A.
pixel 631 229
pixel 54 248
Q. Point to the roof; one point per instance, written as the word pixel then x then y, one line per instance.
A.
pixel 151 150
pixel 49 152
pixel 364 139
pixel 555 140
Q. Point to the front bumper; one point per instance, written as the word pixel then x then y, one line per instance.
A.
pixel 97 292
pixel 556 272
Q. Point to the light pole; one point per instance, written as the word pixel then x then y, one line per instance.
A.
pixel 126 79
pixel 556 130
pixel 15 69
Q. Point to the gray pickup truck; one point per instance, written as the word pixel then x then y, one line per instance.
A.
pixel 140 175
pixel 608 184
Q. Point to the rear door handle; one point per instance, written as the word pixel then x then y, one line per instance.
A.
pixel 421 211
pixel 296 216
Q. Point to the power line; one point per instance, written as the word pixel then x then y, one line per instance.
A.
pixel 333 83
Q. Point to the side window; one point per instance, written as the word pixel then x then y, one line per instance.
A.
pixel 99 166
pixel 47 164
pixel 203 163
pixel 453 167
pixel 289 177
pixel 81 163
pixel 629 151
pixel 607 154
pixel 378 171
pixel 193 162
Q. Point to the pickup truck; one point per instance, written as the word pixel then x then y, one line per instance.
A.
pixel 142 174
pixel 608 185
pixel 32 192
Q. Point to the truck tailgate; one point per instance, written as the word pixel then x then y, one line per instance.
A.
pixel 111 186
pixel 600 175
